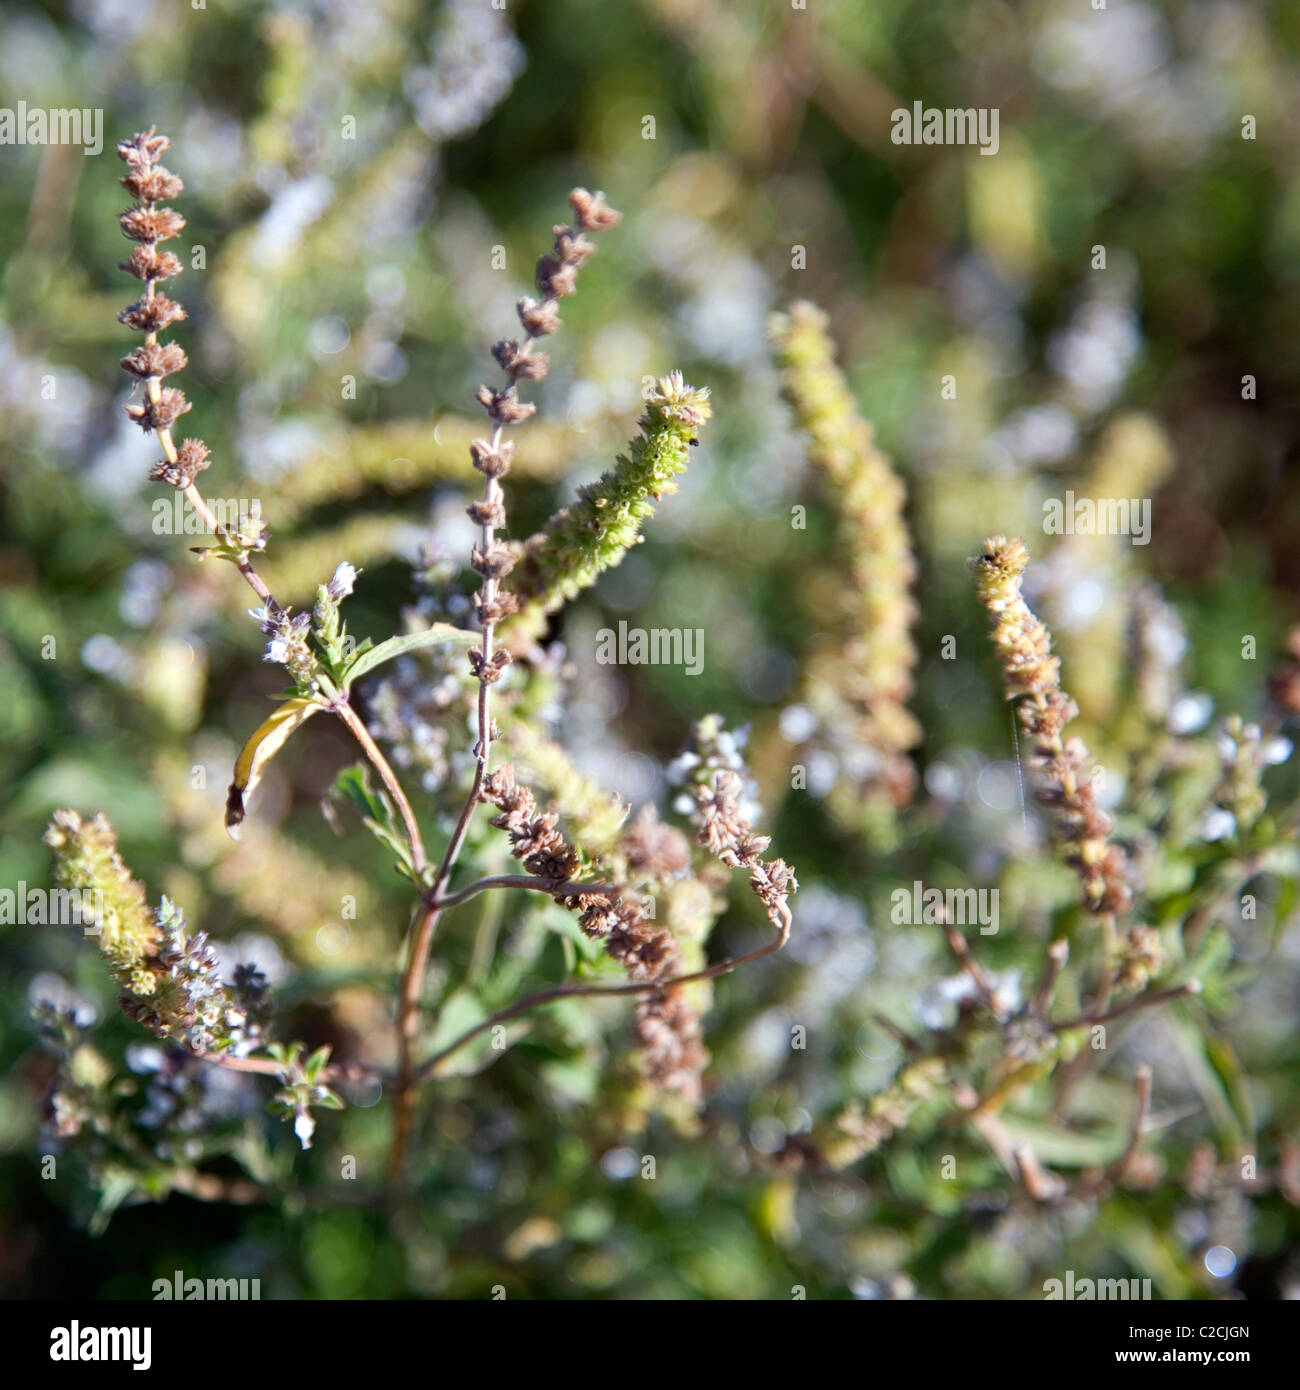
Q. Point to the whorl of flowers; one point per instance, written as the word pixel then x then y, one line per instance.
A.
pixel 476 59
pixel 190 1002
pixel 872 673
pixel 667 1028
pixel 1133 459
pixel 1157 642
pixel 1031 675
pixel 1245 751
pixel 722 816
pixel 148 225
pixel 169 979
pixel 1141 957
pixel 594 534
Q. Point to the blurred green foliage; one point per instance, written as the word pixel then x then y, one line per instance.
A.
pixel 351 171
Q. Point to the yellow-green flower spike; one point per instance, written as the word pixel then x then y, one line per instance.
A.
pixel 86 861
pixel 594 534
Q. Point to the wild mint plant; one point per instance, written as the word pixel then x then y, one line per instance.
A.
pixel 1119 907
pixel 170 979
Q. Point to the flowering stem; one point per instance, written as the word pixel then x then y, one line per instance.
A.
pixel 148 224
pixel 417 963
pixel 957 945
pixel 1057 954
pixel 268 1066
pixel 1141 1108
pixel 1109 948
pixel 556 277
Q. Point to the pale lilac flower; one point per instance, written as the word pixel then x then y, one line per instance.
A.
pixel 345 577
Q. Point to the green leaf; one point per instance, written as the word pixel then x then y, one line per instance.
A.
pixel 1153 1253
pixel 353 784
pixel 1221 1057
pixel 364 660
pixel 460 1012
pixel 1283 907
pixel 286 1054
pixel 1193 1047
pixel 116 1186
pixel 316 1062
pixel 1064 1148
pixel 1211 958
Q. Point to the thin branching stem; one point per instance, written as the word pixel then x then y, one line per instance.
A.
pixel 547 996
pixel 525 881
pixel 421 942
pixel 1141 1001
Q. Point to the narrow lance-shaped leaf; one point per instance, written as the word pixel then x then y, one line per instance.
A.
pixel 366 660
pixel 376 813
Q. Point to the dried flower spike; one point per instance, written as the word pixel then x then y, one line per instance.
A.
pixel 667 1028
pixel 147 224
pixel 493 559
pixel 1031 674
pixel 715 772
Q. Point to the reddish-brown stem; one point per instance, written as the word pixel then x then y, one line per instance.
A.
pixel 1106 985
pixel 421 940
pixel 547 996
pixel 242 563
pixel 1141 1001
pixel 1057 954
pixel 408 1024
pixel 525 881
pixel 957 945
pixel 267 1066
pixel 1141 1107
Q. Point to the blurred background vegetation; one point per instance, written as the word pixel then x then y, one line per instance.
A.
pixel 351 172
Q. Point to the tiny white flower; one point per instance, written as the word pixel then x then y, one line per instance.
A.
pixel 1190 713
pixel 1004 995
pixel 304 1127
pixel 1278 750
pixel 798 723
